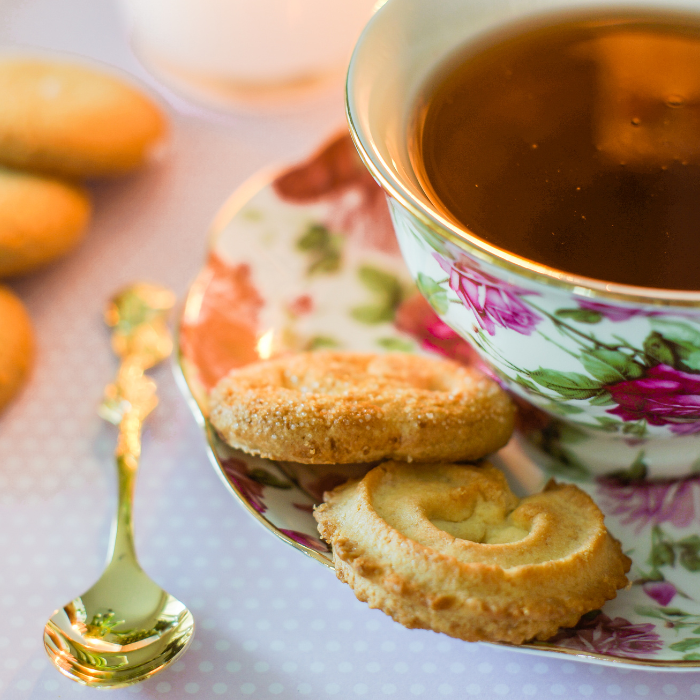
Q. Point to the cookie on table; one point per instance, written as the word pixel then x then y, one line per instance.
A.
pixel 328 407
pixel 73 121
pixel 16 345
pixel 41 218
pixel 449 547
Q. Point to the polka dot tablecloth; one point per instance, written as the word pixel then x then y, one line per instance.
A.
pixel 270 623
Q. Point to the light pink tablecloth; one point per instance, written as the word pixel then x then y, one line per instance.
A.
pixel 270 622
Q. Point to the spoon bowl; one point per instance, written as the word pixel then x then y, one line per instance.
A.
pixel 154 629
pixel 125 628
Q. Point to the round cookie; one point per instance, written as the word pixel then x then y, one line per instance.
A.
pixel 16 345
pixel 450 548
pixel 342 407
pixel 70 120
pixel 40 219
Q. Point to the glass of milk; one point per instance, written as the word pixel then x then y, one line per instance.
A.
pixel 245 48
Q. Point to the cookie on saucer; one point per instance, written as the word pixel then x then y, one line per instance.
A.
pixel 449 547
pixel 329 407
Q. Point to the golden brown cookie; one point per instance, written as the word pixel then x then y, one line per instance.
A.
pixel 16 345
pixel 450 548
pixel 74 121
pixel 41 218
pixel 343 407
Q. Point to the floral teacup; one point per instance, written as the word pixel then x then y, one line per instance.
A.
pixel 613 369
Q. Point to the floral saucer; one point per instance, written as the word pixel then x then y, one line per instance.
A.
pixel 308 259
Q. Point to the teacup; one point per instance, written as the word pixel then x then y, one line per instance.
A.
pixel 614 368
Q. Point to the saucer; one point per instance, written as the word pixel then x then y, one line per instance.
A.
pixel 307 259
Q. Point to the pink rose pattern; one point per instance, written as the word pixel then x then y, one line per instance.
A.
pixel 663 592
pixel 641 503
pixel 494 304
pixel 616 637
pixel 236 471
pixel 622 313
pixel 612 313
pixel 416 317
pixel 663 396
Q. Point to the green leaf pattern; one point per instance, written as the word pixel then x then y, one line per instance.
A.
pixel 322 248
pixel 387 293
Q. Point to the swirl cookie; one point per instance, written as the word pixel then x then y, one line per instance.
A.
pixel 450 548
pixel 16 345
pixel 70 120
pixel 335 407
pixel 40 219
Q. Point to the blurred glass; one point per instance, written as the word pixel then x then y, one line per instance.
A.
pixel 245 48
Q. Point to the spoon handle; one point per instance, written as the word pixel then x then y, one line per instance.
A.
pixel 140 393
pixel 142 339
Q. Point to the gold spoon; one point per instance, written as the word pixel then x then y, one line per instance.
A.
pixel 125 628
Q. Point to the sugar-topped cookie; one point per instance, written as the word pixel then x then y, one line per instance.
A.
pixel 342 407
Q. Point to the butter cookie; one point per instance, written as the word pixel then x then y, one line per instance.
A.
pixel 450 548
pixel 74 121
pixel 16 345
pixel 329 407
pixel 41 218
